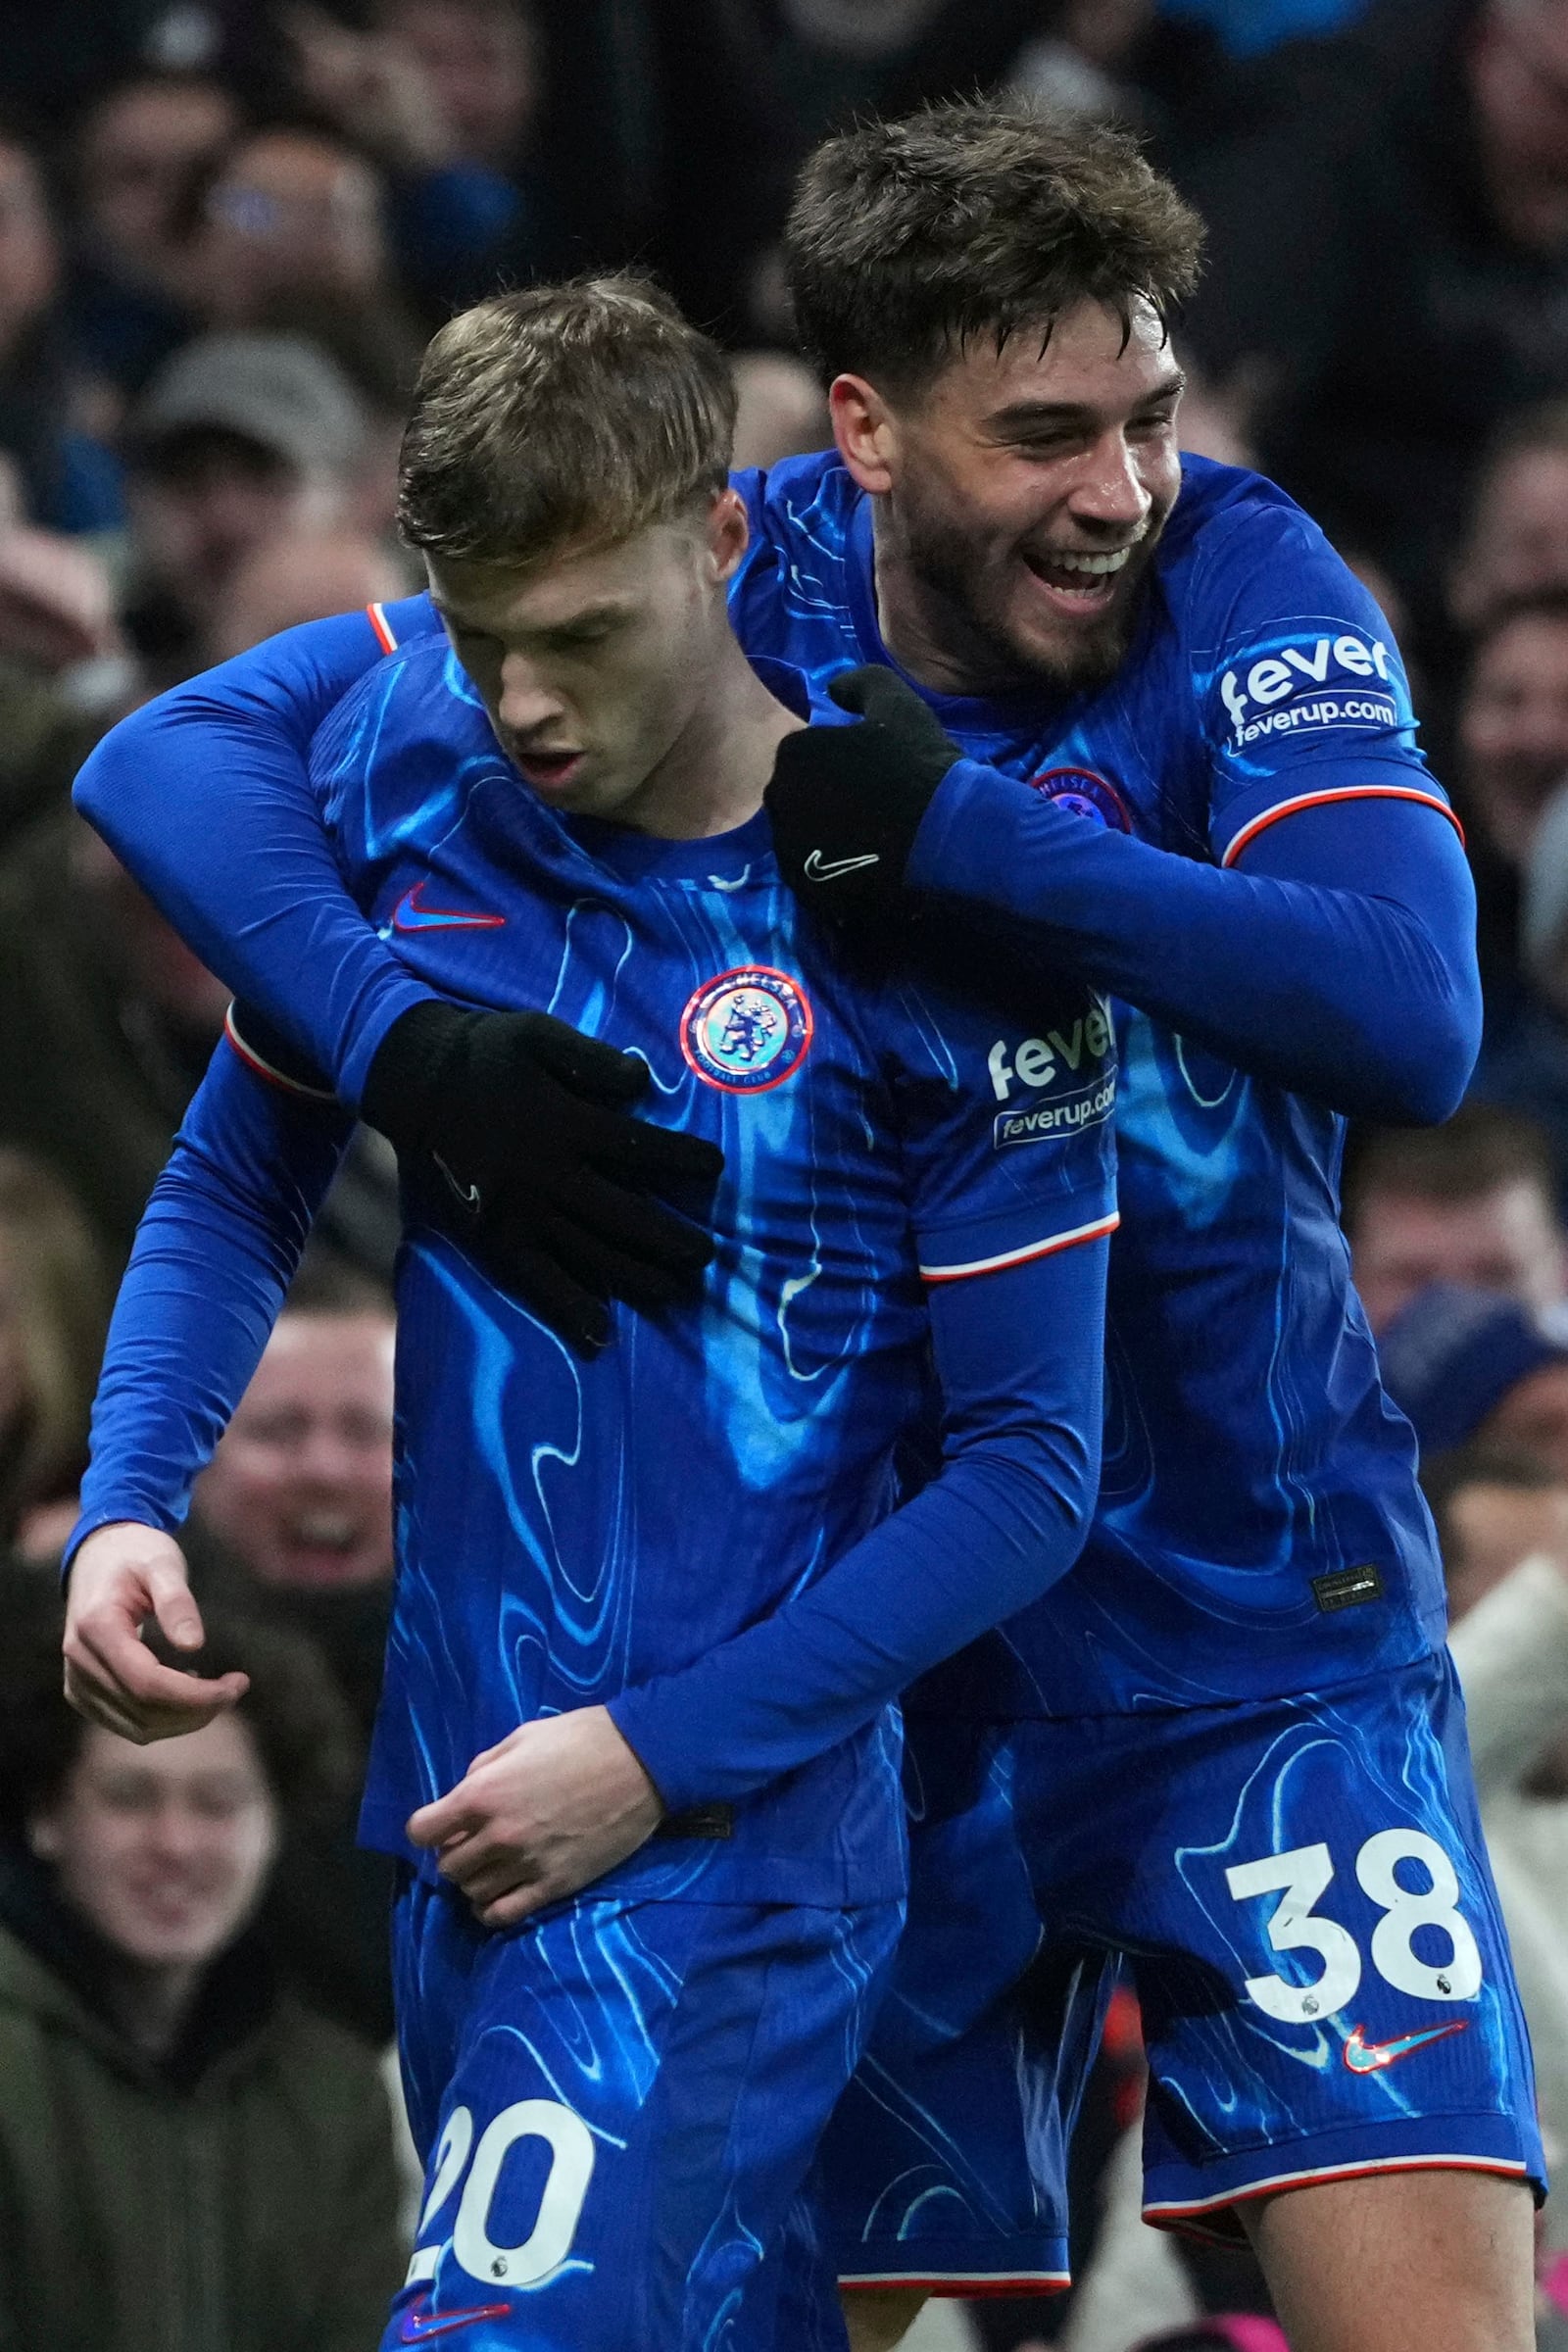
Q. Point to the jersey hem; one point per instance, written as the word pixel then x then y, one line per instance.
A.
pixel 1306 1685
pixel 683 1871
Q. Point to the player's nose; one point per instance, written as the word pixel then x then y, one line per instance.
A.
pixel 1109 488
pixel 528 699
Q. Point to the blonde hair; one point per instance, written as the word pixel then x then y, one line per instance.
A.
pixel 558 415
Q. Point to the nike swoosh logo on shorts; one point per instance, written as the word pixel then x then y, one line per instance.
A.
pixel 1364 2057
pixel 828 870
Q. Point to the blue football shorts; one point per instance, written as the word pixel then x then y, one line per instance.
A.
pixel 617 2106
pixel 1300 1893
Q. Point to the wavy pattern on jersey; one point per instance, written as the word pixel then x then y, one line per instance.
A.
pixel 1248 1448
pixel 566 1529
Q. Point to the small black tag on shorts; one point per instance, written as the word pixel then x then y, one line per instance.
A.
pixel 698 1821
pixel 1346 1586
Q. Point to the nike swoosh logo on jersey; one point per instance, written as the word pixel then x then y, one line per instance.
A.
pixel 1364 2057
pixel 828 870
pixel 409 915
pixel 420 2322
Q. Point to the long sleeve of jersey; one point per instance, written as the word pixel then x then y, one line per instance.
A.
pixel 1337 960
pixel 250 882
pixel 215 1253
pixel 1019 1355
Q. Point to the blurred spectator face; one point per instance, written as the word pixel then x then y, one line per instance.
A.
pixel 1519 80
pixel 301 1486
pixel 1532 1421
pixel 478 58
pixel 1513 727
pixel 139 151
pixel 207 502
pixel 300 576
pixel 294 215
pixel 165 1850
pixel 29 257
pixel 1518 542
pixel 1491 1527
pixel 1506 1239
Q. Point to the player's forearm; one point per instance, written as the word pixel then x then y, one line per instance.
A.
pixel 1340 963
pixel 1020 1358
pixel 203 795
pixel 214 1255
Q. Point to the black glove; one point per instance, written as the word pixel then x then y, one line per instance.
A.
pixel 846 802
pixel 513 1130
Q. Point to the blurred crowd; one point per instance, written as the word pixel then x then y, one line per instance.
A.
pixel 226 228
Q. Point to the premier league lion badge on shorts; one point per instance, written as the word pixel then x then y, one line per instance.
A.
pixel 747 1030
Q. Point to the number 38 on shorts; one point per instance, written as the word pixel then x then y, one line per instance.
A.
pixel 1303 1876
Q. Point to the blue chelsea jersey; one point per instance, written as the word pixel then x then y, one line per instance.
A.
pixel 1259 1527
pixel 565 1530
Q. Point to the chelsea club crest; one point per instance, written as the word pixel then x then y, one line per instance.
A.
pixel 1086 795
pixel 747 1030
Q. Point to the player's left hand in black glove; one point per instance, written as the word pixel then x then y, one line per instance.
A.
pixel 846 802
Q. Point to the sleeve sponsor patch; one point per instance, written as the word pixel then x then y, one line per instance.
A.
pixel 1339 677
pixel 1066 1080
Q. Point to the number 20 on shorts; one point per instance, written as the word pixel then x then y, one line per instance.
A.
pixel 1304 1874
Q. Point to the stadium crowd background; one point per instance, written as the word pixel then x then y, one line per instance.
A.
pixel 226 230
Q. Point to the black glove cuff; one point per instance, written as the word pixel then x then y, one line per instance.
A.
pixel 405 1082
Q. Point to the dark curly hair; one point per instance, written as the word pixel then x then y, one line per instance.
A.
pixel 907 240
pixel 299 1719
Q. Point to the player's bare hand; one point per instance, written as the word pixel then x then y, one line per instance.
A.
pixel 122 1577
pixel 550 1809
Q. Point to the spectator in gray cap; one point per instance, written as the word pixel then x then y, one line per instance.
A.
pixel 240 437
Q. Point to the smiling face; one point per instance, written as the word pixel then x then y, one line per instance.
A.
pixel 595 667
pixel 301 1485
pixel 1021 498
pixel 165 1850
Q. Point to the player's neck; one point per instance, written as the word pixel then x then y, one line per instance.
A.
pixel 712 776
pixel 926 630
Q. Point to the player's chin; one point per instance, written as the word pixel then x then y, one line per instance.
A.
pixel 1070 655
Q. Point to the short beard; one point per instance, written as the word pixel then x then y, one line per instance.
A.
pixel 938 556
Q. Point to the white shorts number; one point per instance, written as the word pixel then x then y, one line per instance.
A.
pixel 561 2202
pixel 1305 1872
pixel 1457 1979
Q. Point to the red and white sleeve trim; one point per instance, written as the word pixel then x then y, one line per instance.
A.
pixel 270 1070
pixel 1343 792
pixel 1021 1258
pixel 375 614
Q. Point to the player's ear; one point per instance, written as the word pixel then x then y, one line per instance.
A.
pixel 728 533
pixel 865 431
